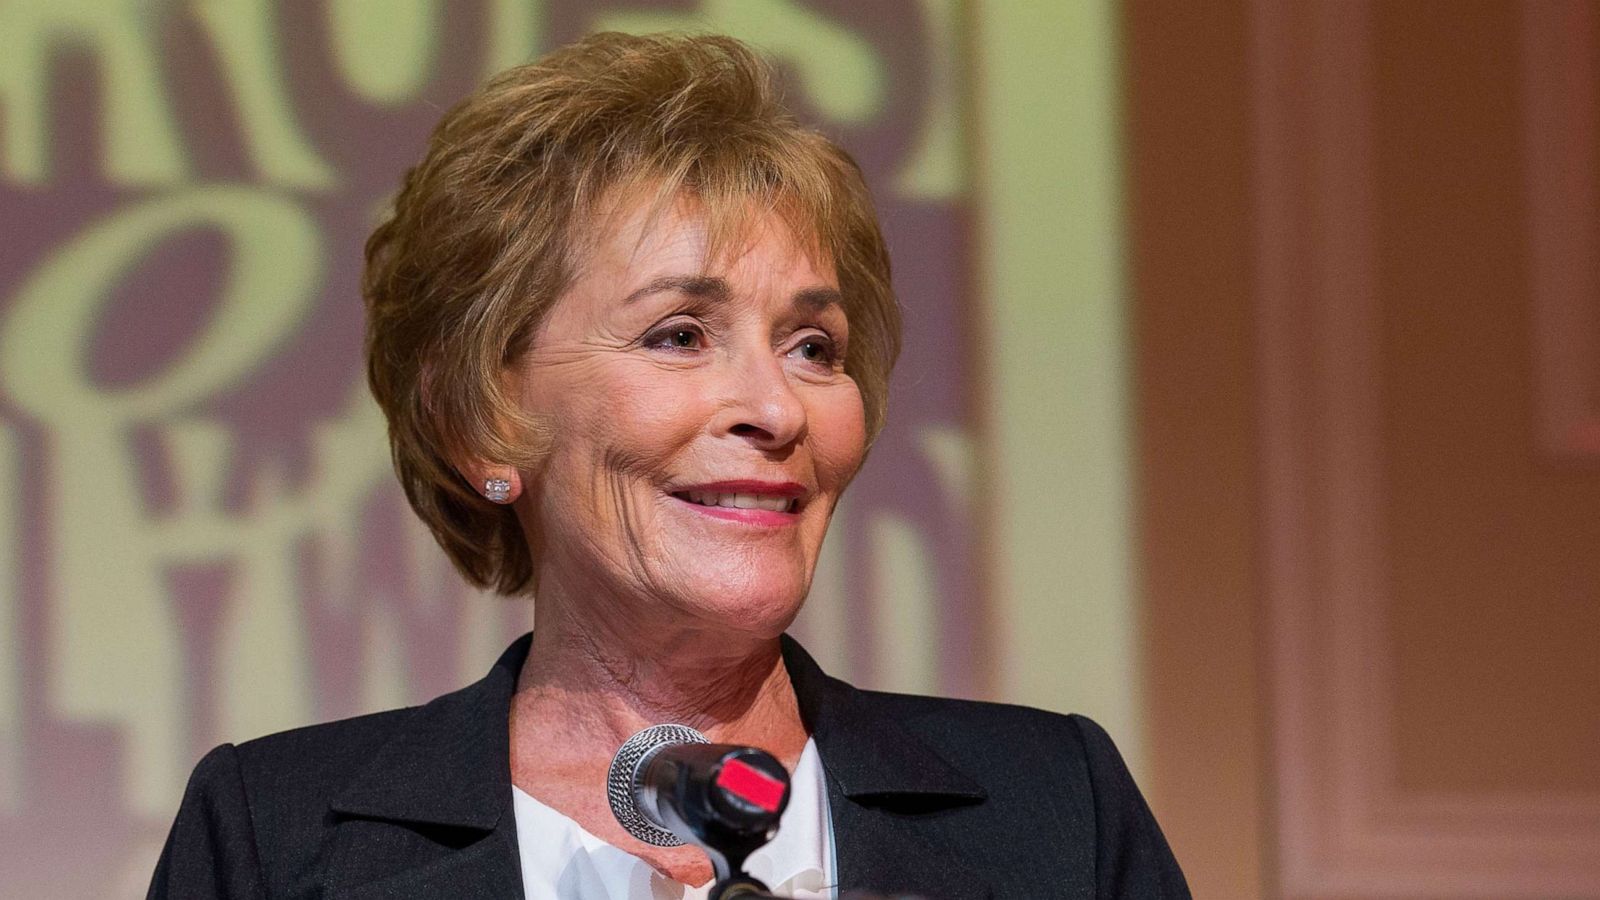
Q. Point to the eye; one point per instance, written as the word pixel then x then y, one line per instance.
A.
pixel 817 349
pixel 677 336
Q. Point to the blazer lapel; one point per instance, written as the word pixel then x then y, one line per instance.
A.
pixel 430 816
pixel 885 789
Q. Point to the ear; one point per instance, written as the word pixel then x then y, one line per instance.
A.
pixel 498 484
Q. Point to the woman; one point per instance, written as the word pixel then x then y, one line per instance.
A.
pixel 632 328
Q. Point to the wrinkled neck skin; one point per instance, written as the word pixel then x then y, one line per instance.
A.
pixel 600 671
pixel 602 667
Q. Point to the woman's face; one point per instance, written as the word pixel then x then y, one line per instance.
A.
pixel 704 426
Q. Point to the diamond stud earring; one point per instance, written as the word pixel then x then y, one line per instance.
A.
pixel 497 490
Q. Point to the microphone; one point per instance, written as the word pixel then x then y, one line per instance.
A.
pixel 669 786
pixel 625 782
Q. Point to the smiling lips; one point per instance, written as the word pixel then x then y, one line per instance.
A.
pixel 751 502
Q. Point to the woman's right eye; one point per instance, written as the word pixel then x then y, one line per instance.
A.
pixel 677 337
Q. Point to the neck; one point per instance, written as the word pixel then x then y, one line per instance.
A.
pixel 593 679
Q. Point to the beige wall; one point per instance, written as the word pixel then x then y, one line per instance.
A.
pixel 1189 253
pixel 1364 257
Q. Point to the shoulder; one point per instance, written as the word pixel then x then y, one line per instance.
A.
pixel 1016 736
pixel 247 806
pixel 312 760
pixel 282 808
pixel 1028 763
pixel 1006 746
pixel 1041 767
pixel 317 757
pixel 255 813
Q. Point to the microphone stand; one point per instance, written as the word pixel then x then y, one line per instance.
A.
pixel 728 851
pixel 702 808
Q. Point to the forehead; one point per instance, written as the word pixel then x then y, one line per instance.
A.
pixel 641 238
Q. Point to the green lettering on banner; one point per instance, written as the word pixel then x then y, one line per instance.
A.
pixel 838 69
pixel 516 33
pixel 264 682
pixel 246 43
pixel 937 167
pixel 142 142
pixel 115 653
pixel 385 48
pixel 277 263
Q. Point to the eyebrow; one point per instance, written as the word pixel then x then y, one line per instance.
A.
pixel 707 286
pixel 818 299
pixel 713 288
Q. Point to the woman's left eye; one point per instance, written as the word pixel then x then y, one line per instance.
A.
pixel 816 349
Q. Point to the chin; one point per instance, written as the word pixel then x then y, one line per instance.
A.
pixel 754 591
pixel 761 610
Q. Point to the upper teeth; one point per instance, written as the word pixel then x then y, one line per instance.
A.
pixel 742 501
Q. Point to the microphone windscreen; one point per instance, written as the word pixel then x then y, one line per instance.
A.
pixel 622 779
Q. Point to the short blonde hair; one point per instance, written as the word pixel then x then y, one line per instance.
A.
pixel 483 235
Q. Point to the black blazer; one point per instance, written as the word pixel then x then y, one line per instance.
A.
pixel 941 798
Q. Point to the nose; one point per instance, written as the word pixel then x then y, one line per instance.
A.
pixel 761 403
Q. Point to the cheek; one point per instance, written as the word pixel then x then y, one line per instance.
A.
pixel 839 435
pixel 629 417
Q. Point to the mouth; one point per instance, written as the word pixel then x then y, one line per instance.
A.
pixel 765 503
pixel 719 500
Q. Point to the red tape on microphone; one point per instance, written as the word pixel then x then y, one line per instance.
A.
pixel 751 785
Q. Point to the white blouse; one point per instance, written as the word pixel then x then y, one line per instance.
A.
pixel 561 860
